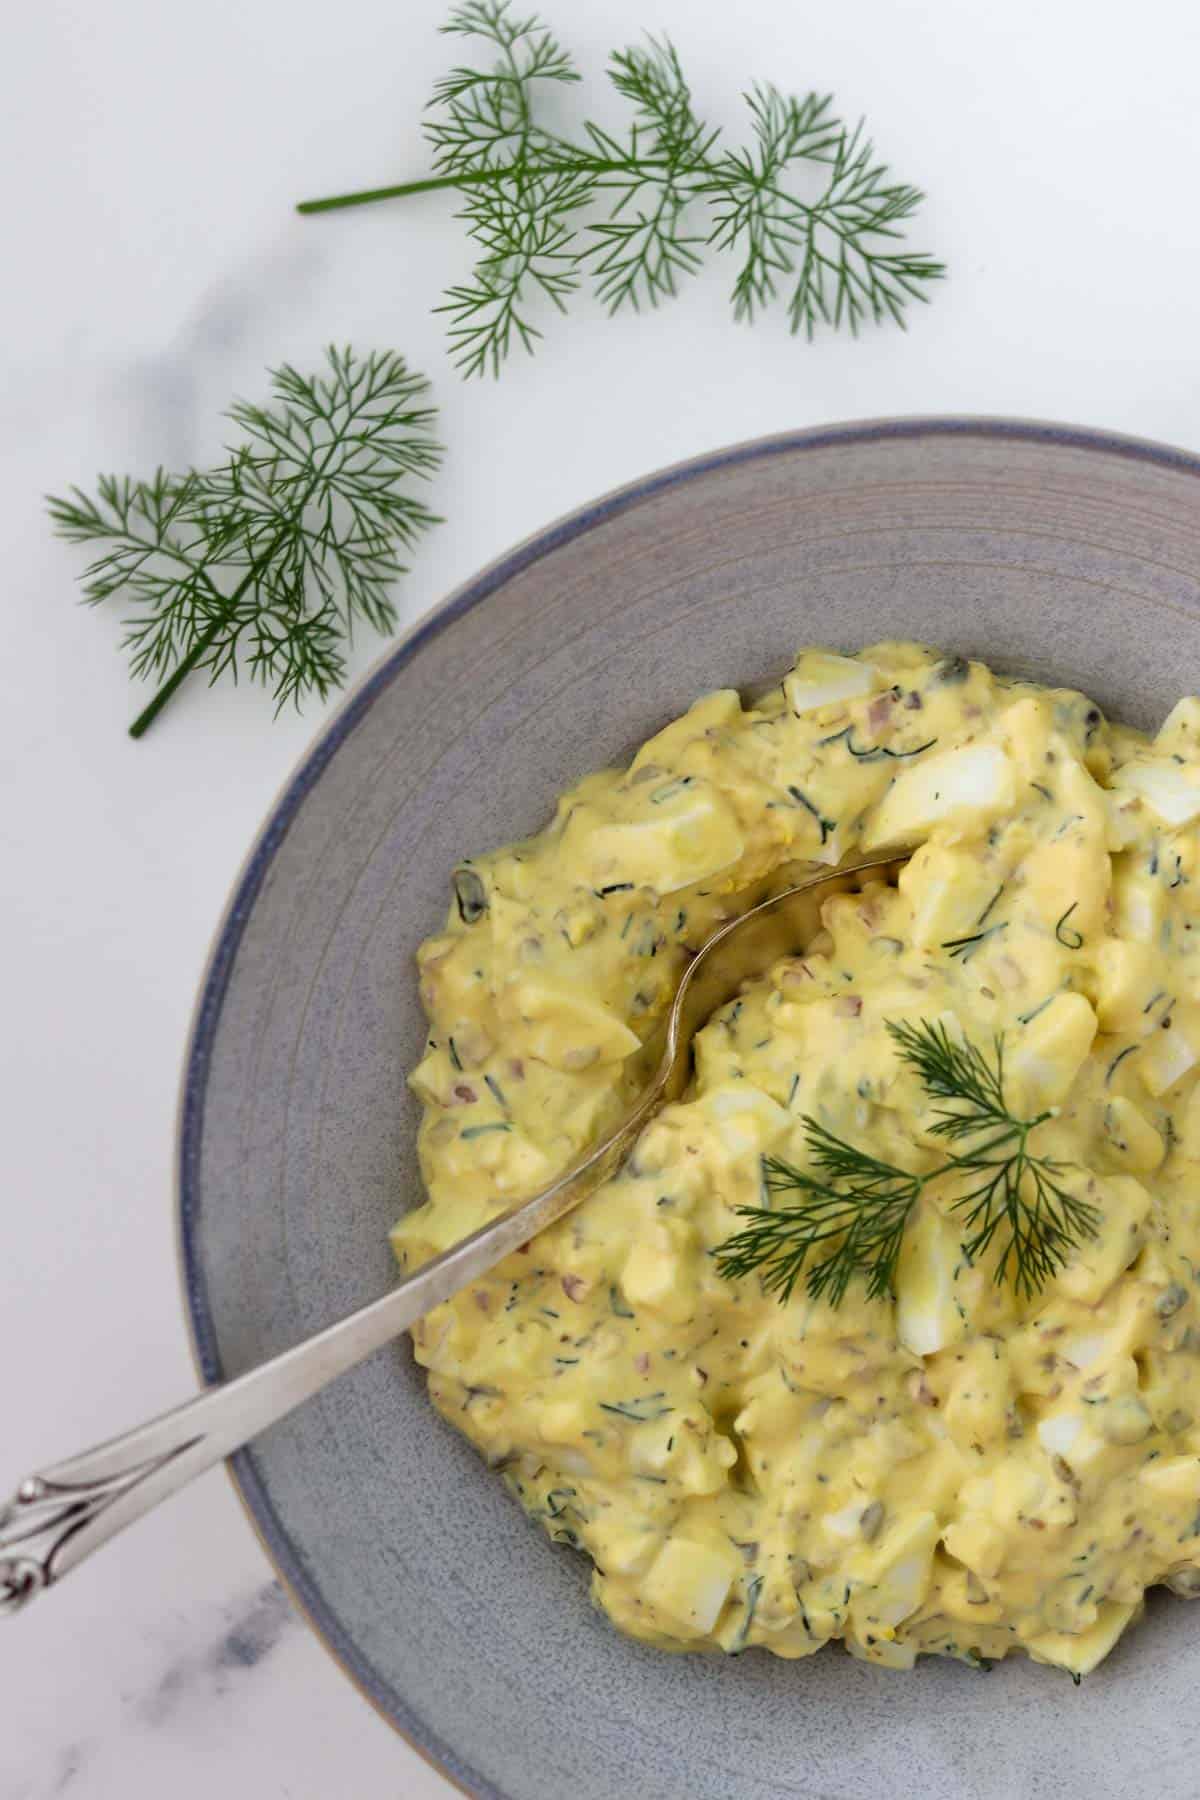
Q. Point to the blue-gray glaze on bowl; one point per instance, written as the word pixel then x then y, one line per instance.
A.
pixel 1066 555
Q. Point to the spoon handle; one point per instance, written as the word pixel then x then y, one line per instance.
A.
pixel 63 1513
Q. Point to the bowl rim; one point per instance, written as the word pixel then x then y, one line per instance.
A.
pixel 252 1493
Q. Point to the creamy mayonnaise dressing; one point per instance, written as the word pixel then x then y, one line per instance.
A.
pixel 957 1470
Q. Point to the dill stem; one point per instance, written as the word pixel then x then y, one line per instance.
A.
pixel 149 713
pixel 366 196
pixel 198 650
pixel 432 184
pixel 469 178
pixel 229 603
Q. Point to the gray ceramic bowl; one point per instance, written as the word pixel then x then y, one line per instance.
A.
pixel 1052 553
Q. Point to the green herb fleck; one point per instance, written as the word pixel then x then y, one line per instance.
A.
pixel 754 1588
pixel 826 826
pixel 669 790
pixel 991 903
pixel 877 752
pixel 617 1304
pixel 642 1410
pixel 497 1091
pixel 964 948
pixel 1066 934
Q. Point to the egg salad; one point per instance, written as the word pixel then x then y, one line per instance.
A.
pixel 993 1446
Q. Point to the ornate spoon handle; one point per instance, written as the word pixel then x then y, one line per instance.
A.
pixel 62 1514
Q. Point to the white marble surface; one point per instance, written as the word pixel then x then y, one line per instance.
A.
pixel 151 269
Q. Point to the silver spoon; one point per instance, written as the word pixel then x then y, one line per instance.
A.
pixel 61 1515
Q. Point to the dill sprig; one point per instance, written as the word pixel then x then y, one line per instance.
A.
pixel 266 563
pixel 1012 1189
pixel 659 193
pixel 952 1069
pixel 850 1219
pixel 854 1214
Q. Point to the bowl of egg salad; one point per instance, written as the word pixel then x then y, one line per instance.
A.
pixel 848 1438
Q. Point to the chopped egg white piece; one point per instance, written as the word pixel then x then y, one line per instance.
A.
pixel 674 834
pixel 958 785
pixel 689 1582
pixel 1049 1052
pixel 820 680
pixel 1167 1058
pixel 928 1316
pixel 1172 790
